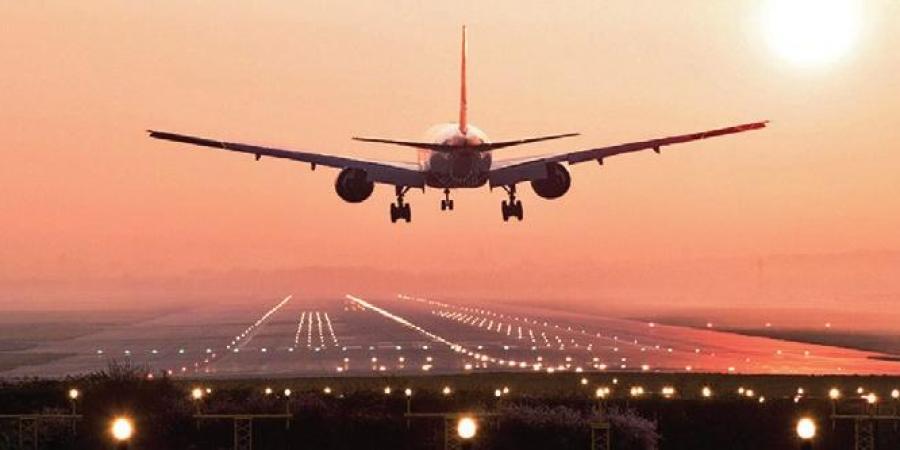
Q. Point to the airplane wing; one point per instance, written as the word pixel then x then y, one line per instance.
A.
pixel 511 171
pixel 387 172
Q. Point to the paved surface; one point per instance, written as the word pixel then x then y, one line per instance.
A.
pixel 357 335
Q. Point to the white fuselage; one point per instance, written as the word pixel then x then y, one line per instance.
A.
pixel 461 166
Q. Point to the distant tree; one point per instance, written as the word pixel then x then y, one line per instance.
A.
pixel 630 430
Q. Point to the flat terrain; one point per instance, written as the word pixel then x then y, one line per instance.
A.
pixel 400 336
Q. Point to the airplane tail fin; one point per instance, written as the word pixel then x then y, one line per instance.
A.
pixel 463 116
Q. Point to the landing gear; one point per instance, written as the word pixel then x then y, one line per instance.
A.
pixel 446 203
pixel 513 208
pixel 401 210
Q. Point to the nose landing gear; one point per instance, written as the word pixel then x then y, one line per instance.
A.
pixel 446 203
pixel 401 210
pixel 513 208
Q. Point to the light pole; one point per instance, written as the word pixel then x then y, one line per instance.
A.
pixel 122 429
pixel 806 431
pixel 287 401
pixel 74 394
pixel 833 394
pixel 601 393
pixel 197 397
pixel 408 393
pixel 895 395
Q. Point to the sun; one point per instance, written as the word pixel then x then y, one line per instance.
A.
pixel 812 32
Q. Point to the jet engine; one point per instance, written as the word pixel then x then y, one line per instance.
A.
pixel 555 185
pixel 353 186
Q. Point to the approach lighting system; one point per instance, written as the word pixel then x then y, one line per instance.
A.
pixel 806 429
pixel 122 429
pixel 467 428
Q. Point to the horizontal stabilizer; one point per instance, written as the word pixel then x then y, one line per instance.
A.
pixel 485 147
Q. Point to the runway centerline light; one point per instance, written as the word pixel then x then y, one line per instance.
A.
pixel 122 429
pixel 806 428
pixel 467 428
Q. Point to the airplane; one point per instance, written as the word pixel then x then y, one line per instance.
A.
pixel 459 157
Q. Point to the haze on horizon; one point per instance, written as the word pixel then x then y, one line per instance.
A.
pixel 86 198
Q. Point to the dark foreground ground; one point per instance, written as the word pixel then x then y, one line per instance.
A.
pixel 540 410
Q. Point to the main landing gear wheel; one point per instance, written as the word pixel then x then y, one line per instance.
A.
pixel 513 208
pixel 401 210
pixel 446 203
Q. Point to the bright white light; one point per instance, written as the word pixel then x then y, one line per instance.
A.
pixel 122 429
pixel 810 32
pixel 895 394
pixel 834 393
pixel 466 428
pixel 197 393
pixel 706 392
pixel 806 428
pixel 74 394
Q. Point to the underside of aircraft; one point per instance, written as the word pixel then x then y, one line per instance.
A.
pixel 458 156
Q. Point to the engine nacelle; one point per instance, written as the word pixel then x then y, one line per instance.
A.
pixel 353 186
pixel 556 184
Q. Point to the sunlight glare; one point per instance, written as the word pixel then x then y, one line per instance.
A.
pixel 812 32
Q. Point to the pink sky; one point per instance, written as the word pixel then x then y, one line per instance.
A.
pixel 85 194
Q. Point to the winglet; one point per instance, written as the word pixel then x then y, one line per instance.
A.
pixel 463 117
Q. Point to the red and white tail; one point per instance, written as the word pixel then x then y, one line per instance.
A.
pixel 463 116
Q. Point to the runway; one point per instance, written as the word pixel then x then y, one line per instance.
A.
pixel 407 335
